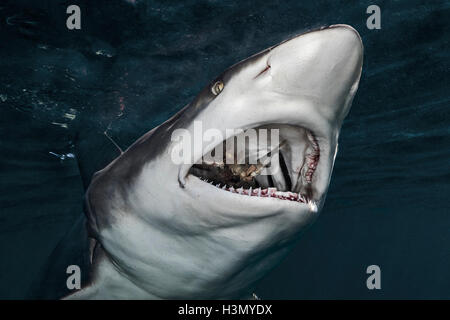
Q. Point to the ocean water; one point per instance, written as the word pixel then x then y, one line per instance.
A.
pixel 135 63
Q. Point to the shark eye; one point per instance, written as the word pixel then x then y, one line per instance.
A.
pixel 217 88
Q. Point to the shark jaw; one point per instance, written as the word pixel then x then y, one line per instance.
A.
pixel 281 175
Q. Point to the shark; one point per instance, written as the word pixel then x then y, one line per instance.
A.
pixel 205 230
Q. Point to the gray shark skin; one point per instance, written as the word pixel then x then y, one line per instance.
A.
pixel 163 233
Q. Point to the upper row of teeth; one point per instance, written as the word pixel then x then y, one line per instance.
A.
pixel 265 193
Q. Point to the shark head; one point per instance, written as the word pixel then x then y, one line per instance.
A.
pixel 203 229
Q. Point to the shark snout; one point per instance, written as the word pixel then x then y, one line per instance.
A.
pixel 323 66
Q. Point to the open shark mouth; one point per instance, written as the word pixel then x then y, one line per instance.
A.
pixel 284 171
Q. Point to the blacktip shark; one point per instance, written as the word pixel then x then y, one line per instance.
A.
pixel 163 231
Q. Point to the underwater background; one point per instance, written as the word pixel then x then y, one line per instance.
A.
pixel 135 63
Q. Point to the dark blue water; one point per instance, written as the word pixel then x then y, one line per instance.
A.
pixel 133 66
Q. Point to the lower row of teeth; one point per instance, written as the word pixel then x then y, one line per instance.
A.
pixel 263 193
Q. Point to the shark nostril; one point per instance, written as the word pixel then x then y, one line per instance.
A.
pixel 265 69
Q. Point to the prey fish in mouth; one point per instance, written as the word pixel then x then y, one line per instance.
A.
pixel 207 229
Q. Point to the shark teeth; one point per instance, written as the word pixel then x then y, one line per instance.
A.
pixel 265 193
